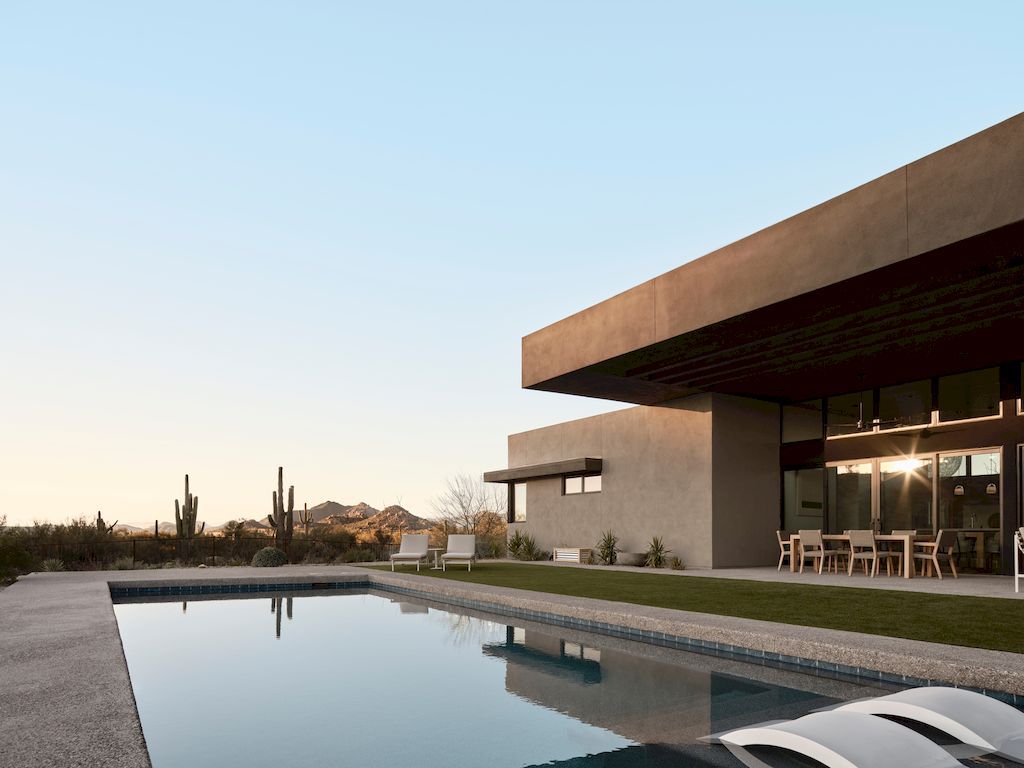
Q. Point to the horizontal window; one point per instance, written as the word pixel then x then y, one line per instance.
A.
pixel 849 414
pixel 801 421
pixel 581 484
pixel 971 395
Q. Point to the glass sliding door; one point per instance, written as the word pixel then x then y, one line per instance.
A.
pixel 905 494
pixel 970 500
pixel 849 497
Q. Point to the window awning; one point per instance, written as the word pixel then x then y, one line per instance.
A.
pixel 583 466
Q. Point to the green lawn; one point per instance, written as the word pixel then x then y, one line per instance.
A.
pixel 978 622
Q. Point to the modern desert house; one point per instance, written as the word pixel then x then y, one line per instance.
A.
pixel 857 365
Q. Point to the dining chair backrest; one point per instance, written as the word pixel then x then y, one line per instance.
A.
pixel 945 540
pixel 865 539
pixel 783 542
pixel 810 539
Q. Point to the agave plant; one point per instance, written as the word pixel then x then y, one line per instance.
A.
pixel 608 548
pixel 656 553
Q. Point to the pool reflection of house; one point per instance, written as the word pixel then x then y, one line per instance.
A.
pixel 639 698
pixel 857 365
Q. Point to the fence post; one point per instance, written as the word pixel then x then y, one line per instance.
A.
pixel 133 550
pixel 214 550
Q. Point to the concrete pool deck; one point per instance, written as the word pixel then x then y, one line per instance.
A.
pixel 66 697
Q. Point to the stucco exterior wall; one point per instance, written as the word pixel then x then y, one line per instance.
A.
pixel 745 481
pixel 656 480
pixel 702 473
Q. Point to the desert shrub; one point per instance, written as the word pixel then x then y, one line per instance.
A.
pixel 656 555
pixel 319 552
pixel 608 548
pixel 52 564
pixel 269 557
pixel 515 544
pixel 522 546
pixel 676 564
pixel 123 564
pixel 15 557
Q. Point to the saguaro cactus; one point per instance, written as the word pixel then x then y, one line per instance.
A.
pixel 282 520
pixel 101 525
pixel 305 518
pixel 185 515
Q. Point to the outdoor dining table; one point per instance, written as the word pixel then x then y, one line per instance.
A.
pixel 907 541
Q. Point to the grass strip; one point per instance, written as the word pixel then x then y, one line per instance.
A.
pixel 976 622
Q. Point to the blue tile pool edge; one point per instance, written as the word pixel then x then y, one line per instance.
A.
pixel 679 642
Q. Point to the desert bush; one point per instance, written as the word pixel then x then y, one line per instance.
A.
pixel 522 546
pixel 269 557
pixel 320 552
pixel 15 557
pixel 608 548
pixel 656 555
pixel 123 564
pixel 676 564
pixel 52 564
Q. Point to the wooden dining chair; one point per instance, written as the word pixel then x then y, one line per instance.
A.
pixel 932 553
pixel 863 547
pixel 785 549
pixel 813 546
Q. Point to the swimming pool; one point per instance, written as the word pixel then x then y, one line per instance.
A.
pixel 373 679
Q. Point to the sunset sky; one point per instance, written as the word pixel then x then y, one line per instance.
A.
pixel 241 235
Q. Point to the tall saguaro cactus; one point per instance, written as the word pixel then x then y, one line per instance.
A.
pixel 185 515
pixel 305 518
pixel 102 526
pixel 282 520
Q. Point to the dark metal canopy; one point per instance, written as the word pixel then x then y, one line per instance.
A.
pixel 584 466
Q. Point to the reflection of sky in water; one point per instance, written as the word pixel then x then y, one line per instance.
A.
pixel 353 680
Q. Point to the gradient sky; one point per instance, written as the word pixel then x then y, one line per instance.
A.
pixel 238 235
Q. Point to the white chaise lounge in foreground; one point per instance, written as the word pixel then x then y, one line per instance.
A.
pixel 413 549
pixel 840 740
pixel 461 549
pixel 973 718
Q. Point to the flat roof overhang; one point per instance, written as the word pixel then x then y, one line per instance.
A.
pixel 919 273
pixel 582 466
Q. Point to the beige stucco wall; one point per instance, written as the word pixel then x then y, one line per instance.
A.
pixel 702 473
pixel 745 472
pixel 656 481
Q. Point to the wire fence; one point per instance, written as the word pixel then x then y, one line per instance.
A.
pixel 140 551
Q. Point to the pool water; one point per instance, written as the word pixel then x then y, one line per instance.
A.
pixel 373 680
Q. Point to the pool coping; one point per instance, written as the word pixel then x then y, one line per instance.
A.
pixel 64 678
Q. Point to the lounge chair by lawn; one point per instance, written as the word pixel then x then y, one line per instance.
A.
pixel 412 550
pixel 461 549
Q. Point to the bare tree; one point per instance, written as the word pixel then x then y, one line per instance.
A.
pixel 468 505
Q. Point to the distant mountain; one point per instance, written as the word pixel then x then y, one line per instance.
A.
pixel 341 514
pixel 127 528
pixel 392 519
pixel 246 524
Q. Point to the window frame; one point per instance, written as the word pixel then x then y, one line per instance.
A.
pixel 583 484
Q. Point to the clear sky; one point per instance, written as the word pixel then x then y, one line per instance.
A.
pixel 238 235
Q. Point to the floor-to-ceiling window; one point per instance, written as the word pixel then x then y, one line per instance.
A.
pixel 969 500
pixel 905 493
pixel 849 496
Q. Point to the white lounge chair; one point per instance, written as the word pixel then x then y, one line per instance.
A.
pixel 972 718
pixel 461 549
pixel 840 740
pixel 1018 552
pixel 413 549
